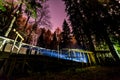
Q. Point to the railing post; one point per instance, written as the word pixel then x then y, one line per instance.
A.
pixel 3 43
pixel 88 54
pixel 15 42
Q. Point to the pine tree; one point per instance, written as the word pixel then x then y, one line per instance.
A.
pixel 41 40
pixel 92 18
pixel 65 34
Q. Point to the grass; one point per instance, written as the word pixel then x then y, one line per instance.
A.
pixel 88 73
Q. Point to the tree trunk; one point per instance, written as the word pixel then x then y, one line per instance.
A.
pixel 111 48
pixel 92 48
pixel 26 23
pixel 11 25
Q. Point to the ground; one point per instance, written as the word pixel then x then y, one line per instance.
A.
pixel 88 73
pixel 49 68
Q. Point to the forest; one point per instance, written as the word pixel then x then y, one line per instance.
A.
pixel 90 31
pixel 91 25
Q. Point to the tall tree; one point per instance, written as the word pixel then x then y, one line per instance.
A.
pixel 8 16
pixel 92 18
pixel 65 34
pixel 79 23
pixel 13 7
pixel 48 39
pixel 42 18
pixel 41 40
pixel 55 43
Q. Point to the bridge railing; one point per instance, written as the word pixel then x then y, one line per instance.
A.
pixel 105 57
pixel 86 56
pixel 4 41
pixel 13 43
pixel 76 55
pixel 17 44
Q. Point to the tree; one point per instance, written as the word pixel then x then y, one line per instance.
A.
pixel 13 8
pixel 48 39
pixel 42 19
pixel 41 40
pixel 2 8
pixel 91 18
pixel 55 43
pixel 8 16
pixel 79 23
pixel 65 34
pixel 36 10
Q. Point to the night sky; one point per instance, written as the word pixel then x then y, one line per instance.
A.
pixel 57 12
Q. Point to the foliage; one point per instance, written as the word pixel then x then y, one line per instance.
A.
pixel 56 39
pixel 65 34
pixel 2 8
pixel 2 5
pixel 54 43
pixel 48 39
pixel 7 16
pixel 94 20
pixel 43 17
pixel 41 39
pixel 31 6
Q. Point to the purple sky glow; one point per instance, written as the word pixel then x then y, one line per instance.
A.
pixel 57 13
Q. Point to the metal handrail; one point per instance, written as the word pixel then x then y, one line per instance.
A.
pixel 16 42
pixel 71 54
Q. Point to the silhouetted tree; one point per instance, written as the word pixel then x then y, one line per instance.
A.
pixel 41 40
pixel 55 44
pixel 11 9
pixel 65 34
pixel 48 39
pixel 91 18
pixel 79 23
pixel 8 16
pixel 42 19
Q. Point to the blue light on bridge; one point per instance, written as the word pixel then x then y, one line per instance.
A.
pixel 72 55
pixel 62 54
pixel 66 54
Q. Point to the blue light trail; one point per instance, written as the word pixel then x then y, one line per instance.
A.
pixel 62 54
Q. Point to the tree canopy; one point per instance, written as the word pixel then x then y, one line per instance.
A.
pixel 93 21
